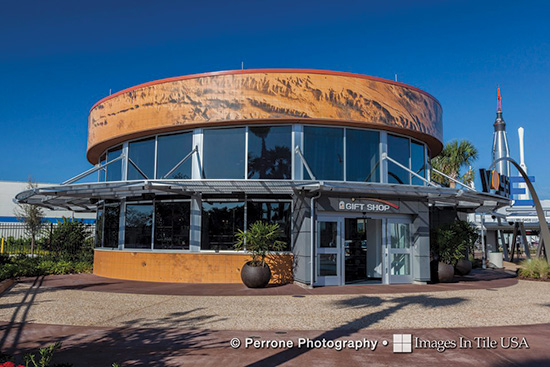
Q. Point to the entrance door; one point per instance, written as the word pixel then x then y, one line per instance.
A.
pixel 398 249
pixel 355 250
pixel 329 247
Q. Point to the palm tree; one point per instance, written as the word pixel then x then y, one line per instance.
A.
pixel 455 156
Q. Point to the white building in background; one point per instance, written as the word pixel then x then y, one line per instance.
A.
pixel 8 208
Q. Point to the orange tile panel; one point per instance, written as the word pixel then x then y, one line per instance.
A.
pixel 185 267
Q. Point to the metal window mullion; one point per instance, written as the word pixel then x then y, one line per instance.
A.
pixel 122 225
pixel 155 174
pixel 124 166
pixel 153 225
pixel 410 161
pixel 427 173
pixel 383 151
pixel 246 153
pixel 344 155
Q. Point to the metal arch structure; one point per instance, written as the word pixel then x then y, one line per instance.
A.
pixel 544 231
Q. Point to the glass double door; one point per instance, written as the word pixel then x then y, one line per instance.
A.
pixel 398 251
pixel 355 250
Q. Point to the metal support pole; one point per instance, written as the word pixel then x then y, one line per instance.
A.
pixel 544 231
pixel 483 250
pixel 524 240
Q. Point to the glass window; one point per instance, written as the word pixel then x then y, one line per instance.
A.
pixel 224 153
pixel 400 236
pixel 220 221
pixel 398 149
pixel 99 227
pixel 328 234
pixel 139 220
pixel 172 221
pixel 328 265
pixel 418 162
pixel 171 149
pixel 114 170
pixel 272 213
pixel 110 226
pixel 141 162
pixel 362 155
pixel 324 152
pixel 269 152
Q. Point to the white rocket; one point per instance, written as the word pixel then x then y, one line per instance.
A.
pixel 500 141
pixel 523 166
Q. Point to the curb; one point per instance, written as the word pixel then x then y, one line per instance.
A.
pixel 6 284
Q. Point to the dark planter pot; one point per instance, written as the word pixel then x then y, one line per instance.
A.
pixel 255 276
pixel 445 272
pixel 463 267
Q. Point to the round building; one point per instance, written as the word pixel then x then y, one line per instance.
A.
pixel 339 160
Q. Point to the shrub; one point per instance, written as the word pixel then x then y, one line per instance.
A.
pixel 71 241
pixel 452 242
pixel 537 268
pixel 261 239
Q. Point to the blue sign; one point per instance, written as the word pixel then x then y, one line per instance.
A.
pixel 515 191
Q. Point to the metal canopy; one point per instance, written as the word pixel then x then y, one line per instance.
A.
pixel 83 197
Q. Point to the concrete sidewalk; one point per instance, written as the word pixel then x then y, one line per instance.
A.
pixel 101 346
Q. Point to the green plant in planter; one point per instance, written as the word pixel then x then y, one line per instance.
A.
pixel 452 242
pixel 259 241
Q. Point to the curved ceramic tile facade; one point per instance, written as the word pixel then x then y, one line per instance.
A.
pixel 258 96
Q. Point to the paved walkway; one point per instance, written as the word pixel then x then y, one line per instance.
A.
pixel 101 321
pixel 478 279
pixel 100 346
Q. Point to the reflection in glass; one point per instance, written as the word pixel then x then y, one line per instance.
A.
pixel 224 153
pixel 114 170
pixel 324 152
pixel 220 221
pixel 328 264
pixel 171 149
pixel 418 162
pixel 328 233
pixel 172 222
pixel 269 152
pixel 272 213
pixel 110 226
pixel 362 155
pixel 142 154
pixel 398 149
pixel 401 264
pixel 139 223
pixel 399 235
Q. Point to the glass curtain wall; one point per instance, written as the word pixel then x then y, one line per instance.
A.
pixel 114 170
pixel 220 221
pixel 110 225
pixel 398 149
pixel 139 225
pixel 269 152
pixel 271 212
pixel 224 153
pixel 171 149
pixel 418 162
pixel 269 155
pixel 141 159
pixel 172 221
pixel 324 152
pixel 362 155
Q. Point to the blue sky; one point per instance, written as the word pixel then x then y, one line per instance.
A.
pixel 57 58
